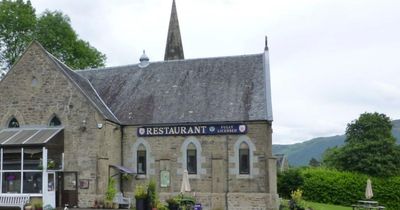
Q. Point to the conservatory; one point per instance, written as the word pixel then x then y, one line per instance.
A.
pixel 29 161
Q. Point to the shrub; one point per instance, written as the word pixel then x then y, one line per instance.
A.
pixel 140 192
pixel 346 188
pixel 289 181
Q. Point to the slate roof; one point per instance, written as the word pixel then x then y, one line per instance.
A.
pixel 87 89
pixel 195 90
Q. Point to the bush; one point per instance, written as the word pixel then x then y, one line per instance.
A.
pixel 289 181
pixel 345 188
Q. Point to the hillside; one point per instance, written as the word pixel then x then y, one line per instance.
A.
pixel 300 154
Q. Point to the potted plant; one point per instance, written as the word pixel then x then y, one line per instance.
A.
pixel 141 197
pixel 110 193
pixel 152 194
pixel 28 206
pixel 173 204
pixel 37 204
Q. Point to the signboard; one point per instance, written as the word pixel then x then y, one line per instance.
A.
pixel 185 130
pixel 164 176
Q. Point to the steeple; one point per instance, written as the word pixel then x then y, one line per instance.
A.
pixel 174 48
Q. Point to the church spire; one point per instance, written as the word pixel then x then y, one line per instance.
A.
pixel 174 48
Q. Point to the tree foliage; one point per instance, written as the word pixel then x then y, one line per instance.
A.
pixel 314 162
pixel 369 148
pixel 19 25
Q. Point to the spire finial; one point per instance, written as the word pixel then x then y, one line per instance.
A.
pixel 144 60
pixel 174 47
pixel 266 43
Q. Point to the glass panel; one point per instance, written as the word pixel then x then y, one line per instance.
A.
pixel 55 122
pixel 141 162
pixel 32 182
pixel 244 161
pixel 51 183
pixel 13 123
pixel 12 182
pixel 32 159
pixel 191 162
pixel 12 159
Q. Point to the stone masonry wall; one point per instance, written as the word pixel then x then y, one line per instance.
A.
pixel 214 179
pixel 34 90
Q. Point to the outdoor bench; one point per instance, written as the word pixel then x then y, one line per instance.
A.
pixel 367 207
pixel 14 200
pixel 121 200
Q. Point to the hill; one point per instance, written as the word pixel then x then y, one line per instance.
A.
pixel 300 154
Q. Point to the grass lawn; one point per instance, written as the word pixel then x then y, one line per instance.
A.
pixel 321 206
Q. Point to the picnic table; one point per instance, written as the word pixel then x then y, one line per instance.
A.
pixel 367 205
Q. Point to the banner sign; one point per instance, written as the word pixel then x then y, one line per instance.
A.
pixel 186 130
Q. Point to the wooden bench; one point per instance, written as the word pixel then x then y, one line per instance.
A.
pixel 121 200
pixel 367 207
pixel 14 200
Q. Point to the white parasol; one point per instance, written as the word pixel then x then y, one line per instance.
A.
pixel 185 187
pixel 368 190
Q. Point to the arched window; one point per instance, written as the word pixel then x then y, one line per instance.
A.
pixel 141 159
pixel 13 123
pixel 191 159
pixel 55 122
pixel 244 158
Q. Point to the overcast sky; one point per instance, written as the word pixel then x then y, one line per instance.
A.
pixel 330 60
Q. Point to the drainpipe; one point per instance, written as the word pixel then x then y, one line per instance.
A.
pixel 122 156
pixel 227 172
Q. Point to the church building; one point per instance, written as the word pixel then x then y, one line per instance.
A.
pixel 64 132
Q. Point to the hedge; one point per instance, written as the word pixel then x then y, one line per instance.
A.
pixel 345 188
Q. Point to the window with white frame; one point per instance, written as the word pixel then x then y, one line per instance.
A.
pixel 244 158
pixel 21 170
pixel 191 159
pixel 141 159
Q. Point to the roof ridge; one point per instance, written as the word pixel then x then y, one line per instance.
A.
pixel 168 61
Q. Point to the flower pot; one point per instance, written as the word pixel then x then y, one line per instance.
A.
pixel 28 207
pixel 141 204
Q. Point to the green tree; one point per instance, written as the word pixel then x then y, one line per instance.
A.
pixel 55 33
pixel 19 26
pixel 314 162
pixel 370 147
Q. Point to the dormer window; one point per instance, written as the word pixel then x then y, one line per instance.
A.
pixel 13 123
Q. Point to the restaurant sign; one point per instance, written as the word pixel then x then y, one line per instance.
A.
pixel 185 130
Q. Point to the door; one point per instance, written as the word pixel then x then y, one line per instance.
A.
pixel 49 194
pixel 68 189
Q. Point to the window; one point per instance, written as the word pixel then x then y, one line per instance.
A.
pixel 21 170
pixel 191 159
pixel 13 123
pixel 244 159
pixel 55 122
pixel 141 159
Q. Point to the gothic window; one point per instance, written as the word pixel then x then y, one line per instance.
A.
pixel 13 123
pixel 141 159
pixel 55 122
pixel 191 159
pixel 244 158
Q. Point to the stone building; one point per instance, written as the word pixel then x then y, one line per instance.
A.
pixel 63 133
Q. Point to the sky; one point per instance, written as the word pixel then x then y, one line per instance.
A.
pixel 330 60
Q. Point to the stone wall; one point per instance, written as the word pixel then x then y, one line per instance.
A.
pixel 214 178
pixel 34 91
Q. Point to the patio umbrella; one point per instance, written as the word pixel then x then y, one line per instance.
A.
pixel 185 187
pixel 368 190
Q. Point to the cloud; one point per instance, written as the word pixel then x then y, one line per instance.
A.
pixel 330 60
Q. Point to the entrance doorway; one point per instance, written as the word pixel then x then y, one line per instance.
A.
pixel 67 190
